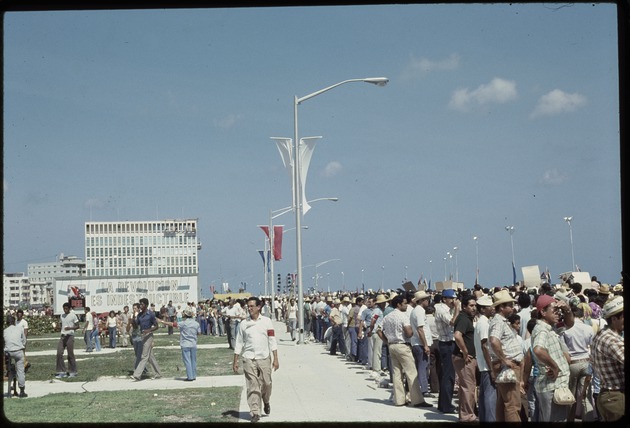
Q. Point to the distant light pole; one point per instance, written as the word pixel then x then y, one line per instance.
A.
pixel 343 281
pixel 383 278
pixel 379 81
pixel 510 230
pixel 445 268
pixel 476 239
pixel 362 281
pixel 568 220
pixel 321 264
pixel 456 268
pixel 430 272
pixel 405 273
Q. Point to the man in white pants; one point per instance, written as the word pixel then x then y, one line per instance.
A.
pixel 255 342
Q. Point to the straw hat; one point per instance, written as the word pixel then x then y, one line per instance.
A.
pixel 346 299
pixel 337 301
pixel 604 289
pixel 484 300
pixel 612 307
pixel 187 313
pixel 420 295
pixel 500 297
pixel 381 299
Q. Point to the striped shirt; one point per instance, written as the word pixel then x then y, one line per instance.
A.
pixel 607 356
pixel 443 316
pixel 500 328
pixel 544 336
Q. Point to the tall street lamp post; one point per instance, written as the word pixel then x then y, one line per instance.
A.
pixel 568 220
pixel 510 230
pixel 379 81
pixel 476 239
pixel 456 268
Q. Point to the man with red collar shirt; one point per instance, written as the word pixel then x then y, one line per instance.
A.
pixel 255 342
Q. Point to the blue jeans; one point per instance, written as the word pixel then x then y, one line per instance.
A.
pixel 422 364
pixel 447 381
pixel 353 340
pixel 189 355
pixel 318 328
pixel 87 336
pixel 112 336
pixel 337 340
pixel 487 401
pixel 97 340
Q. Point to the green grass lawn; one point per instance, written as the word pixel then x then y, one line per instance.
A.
pixel 90 366
pixel 185 405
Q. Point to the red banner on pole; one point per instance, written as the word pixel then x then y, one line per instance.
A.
pixel 277 243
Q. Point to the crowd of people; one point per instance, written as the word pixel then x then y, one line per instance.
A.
pixel 506 352
pixel 510 354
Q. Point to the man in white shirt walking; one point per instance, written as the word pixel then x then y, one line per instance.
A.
pixel 255 342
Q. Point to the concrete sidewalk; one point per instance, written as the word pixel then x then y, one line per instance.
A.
pixel 313 386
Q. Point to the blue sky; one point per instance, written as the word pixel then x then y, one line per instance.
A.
pixel 495 115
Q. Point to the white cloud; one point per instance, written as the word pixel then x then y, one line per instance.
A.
pixel 333 168
pixel 419 66
pixel 553 177
pixel 226 121
pixel 498 91
pixel 556 102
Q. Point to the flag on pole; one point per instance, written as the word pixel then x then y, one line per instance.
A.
pixel 265 259
pixel 285 147
pixel 513 273
pixel 307 146
pixel 277 243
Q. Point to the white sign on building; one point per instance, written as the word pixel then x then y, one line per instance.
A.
pixel 106 294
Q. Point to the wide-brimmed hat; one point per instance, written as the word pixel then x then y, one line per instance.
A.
pixel 500 297
pixel 345 299
pixel 484 300
pixel 604 289
pixel 449 293
pixel 392 294
pixel 420 295
pixel 307 299
pixel 187 313
pixel 337 301
pixel 612 307
pixel 543 301
pixel 380 298
pixel 617 288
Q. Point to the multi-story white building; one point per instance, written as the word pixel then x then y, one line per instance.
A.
pixel 15 289
pixel 47 272
pixel 125 261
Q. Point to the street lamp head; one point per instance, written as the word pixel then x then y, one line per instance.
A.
pixel 475 238
pixel 378 81
pixel 509 228
pixel 568 219
pixel 454 248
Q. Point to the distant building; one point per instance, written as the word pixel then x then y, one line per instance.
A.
pixel 15 290
pixel 47 272
pixel 125 261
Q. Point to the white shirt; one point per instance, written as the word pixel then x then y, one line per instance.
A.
pixel 345 311
pixel 23 324
pixel 68 320
pixel 418 318
pixel 481 333
pixel 393 325
pixel 255 339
